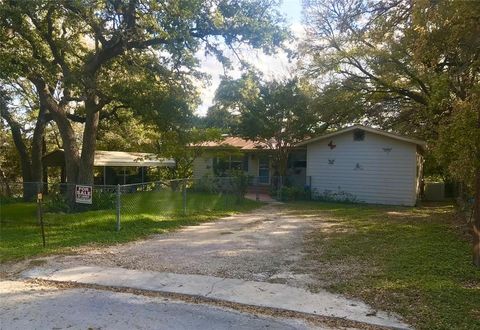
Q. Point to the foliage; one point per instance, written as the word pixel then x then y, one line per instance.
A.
pixel 56 203
pixel 415 67
pixel 411 261
pixel 88 59
pixel 221 185
pixel 219 116
pixel 408 66
pixel 334 196
pixel 184 146
pixel 9 164
pixel 277 113
pixel 241 182
pixel 126 132
pixel 147 213
pixel 288 194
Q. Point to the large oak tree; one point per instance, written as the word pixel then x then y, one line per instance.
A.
pixel 410 66
pixel 75 53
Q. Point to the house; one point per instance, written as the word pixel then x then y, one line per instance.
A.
pixel 218 158
pixel 357 163
pixel 112 167
pixel 364 164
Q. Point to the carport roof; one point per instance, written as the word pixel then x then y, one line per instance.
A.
pixel 113 158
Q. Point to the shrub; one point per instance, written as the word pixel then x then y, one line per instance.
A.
pixel 56 203
pixel 103 200
pixel 339 196
pixel 292 194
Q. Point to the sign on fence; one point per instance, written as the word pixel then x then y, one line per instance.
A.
pixel 83 194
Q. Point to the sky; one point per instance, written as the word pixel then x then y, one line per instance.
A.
pixel 275 66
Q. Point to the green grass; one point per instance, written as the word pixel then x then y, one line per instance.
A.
pixel 412 261
pixel 142 214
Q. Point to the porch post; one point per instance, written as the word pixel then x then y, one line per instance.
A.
pixel 104 175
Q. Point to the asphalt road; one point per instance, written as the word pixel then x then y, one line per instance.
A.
pixel 27 306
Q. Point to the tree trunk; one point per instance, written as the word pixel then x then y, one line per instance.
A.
pixel 282 160
pixel 6 184
pixel 476 222
pixel 89 145
pixel 67 133
pixel 476 210
pixel 25 162
pixel 37 146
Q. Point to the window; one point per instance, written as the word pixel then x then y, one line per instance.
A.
pixel 300 163
pixel 358 135
pixel 236 163
pixel 223 165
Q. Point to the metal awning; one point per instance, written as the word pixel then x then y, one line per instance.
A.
pixel 130 159
pixel 113 158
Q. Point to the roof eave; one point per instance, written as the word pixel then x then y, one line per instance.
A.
pixel 420 143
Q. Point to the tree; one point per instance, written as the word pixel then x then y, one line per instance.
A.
pixel 220 117
pixel 415 67
pixel 72 51
pixel 184 146
pixel 278 113
pixel 10 168
pixel 30 153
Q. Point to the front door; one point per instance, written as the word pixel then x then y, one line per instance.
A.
pixel 264 169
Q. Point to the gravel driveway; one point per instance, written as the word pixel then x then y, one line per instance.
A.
pixel 263 245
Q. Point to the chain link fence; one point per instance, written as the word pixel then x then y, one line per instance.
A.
pixel 54 209
pixel 111 207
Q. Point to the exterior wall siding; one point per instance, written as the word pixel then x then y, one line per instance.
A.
pixel 385 174
pixel 202 166
pixel 253 164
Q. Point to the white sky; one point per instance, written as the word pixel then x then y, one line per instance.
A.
pixel 275 66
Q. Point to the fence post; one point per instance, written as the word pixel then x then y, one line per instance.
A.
pixel 279 188
pixel 118 206
pixel 184 196
pixel 310 186
pixel 40 212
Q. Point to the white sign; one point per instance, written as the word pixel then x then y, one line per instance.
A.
pixel 83 194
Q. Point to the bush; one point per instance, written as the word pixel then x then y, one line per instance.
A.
pixel 10 200
pixel 339 196
pixel 240 184
pixel 59 203
pixel 103 200
pixel 56 203
pixel 292 194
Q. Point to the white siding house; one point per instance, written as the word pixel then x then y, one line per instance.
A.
pixel 366 165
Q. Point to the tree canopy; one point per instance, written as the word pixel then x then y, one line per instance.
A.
pixel 278 113
pixel 411 66
pixel 88 59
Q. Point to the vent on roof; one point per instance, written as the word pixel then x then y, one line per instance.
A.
pixel 358 135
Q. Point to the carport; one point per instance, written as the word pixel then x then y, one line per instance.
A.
pixel 113 167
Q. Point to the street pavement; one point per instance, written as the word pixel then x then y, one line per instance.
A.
pixel 27 306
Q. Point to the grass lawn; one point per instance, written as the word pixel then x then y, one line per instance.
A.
pixel 412 261
pixel 142 214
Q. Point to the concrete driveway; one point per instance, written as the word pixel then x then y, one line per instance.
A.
pixel 263 245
